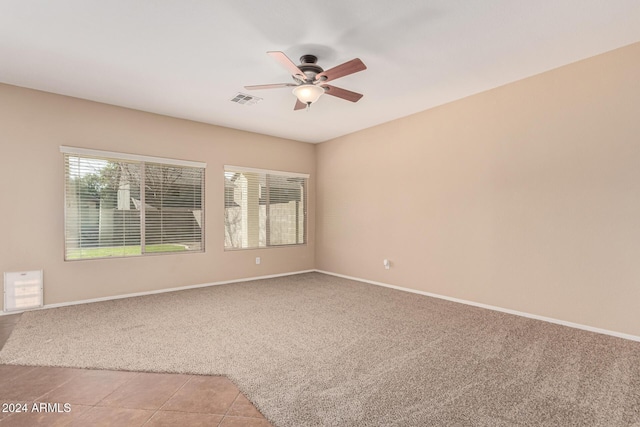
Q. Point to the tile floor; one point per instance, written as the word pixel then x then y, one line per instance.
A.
pixel 117 398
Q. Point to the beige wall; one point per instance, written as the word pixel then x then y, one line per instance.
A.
pixel 34 124
pixel 525 197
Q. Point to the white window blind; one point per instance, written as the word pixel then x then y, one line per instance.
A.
pixel 116 207
pixel 264 208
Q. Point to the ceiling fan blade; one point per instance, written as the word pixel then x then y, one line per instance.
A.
pixel 271 86
pixel 300 105
pixel 287 63
pixel 342 70
pixel 342 93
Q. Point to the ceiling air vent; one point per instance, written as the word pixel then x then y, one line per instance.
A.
pixel 243 98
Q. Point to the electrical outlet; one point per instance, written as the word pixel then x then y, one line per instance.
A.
pixel 257 260
pixel 386 264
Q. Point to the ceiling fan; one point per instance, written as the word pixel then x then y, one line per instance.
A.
pixel 310 80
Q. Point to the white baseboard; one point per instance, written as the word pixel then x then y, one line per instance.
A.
pixel 492 307
pixel 159 291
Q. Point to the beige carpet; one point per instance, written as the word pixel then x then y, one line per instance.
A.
pixel 316 350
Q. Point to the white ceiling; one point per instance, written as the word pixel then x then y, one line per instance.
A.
pixel 188 58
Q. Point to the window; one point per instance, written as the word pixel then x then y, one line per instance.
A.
pixel 264 208
pixel 120 205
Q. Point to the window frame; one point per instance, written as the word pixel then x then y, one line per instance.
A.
pixel 142 160
pixel 266 172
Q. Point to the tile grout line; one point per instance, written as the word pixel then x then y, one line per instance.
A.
pixel 15 413
pixel 96 405
pixel 55 388
pixel 149 419
pixel 24 373
pixel 116 389
pixel 154 410
pixel 229 408
pixel 169 398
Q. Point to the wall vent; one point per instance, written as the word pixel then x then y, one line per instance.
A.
pixel 243 98
pixel 22 290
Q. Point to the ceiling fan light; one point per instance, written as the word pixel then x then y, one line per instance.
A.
pixel 308 93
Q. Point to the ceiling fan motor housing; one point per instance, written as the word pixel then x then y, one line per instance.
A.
pixel 309 67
